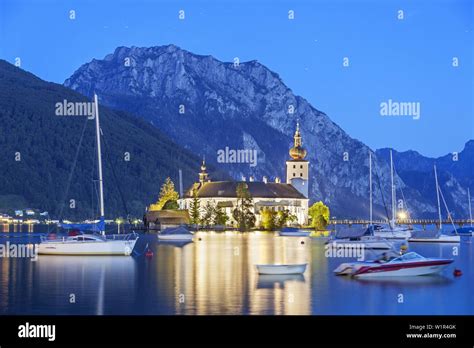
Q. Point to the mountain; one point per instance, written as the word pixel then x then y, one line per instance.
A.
pixel 38 150
pixel 455 175
pixel 244 106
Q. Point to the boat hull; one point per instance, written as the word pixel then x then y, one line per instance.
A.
pixel 294 234
pixel 433 267
pixel 281 269
pixel 398 235
pixel 176 237
pixel 440 239
pixel 108 247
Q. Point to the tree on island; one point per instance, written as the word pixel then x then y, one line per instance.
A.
pixel 243 212
pixel 220 217
pixel 208 214
pixel 283 217
pixel 194 208
pixel 319 215
pixel 272 220
pixel 268 218
pixel 168 198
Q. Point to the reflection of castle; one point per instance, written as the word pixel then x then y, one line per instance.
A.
pixel 276 196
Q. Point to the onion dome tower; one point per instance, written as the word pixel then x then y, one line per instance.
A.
pixel 297 168
pixel 203 176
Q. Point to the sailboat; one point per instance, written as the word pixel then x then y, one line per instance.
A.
pixel 392 231
pixel 90 244
pixel 436 236
pixel 467 230
pixel 361 237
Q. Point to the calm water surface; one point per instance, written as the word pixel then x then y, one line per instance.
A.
pixel 216 275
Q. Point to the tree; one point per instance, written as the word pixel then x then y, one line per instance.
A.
pixel 220 217
pixel 319 215
pixel 167 194
pixel 283 217
pixel 268 219
pixel 194 208
pixel 209 212
pixel 243 212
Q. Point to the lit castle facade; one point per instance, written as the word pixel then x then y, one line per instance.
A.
pixel 291 195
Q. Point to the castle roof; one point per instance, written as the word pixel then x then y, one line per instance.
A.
pixel 227 189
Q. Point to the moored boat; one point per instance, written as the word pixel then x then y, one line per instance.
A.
pixel 293 232
pixel 437 236
pixel 433 237
pixel 78 243
pixel 276 269
pixel 409 264
pixel 178 234
pixel 88 244
pixel 396 232
pixel 360 238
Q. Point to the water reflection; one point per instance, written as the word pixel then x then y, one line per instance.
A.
pixel 216 274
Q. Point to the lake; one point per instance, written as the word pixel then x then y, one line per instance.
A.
pixel 216 275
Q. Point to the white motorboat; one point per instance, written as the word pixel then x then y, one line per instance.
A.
pixel 178 234
pixel 293 232
pixel 409 264
pixel 277 269
pixel 90 244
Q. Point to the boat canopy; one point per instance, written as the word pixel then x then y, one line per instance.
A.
pixel 425 234
pixel 93 227
pixel 290 229
pixel 176 230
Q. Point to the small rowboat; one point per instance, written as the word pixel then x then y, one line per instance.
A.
pixel 282 269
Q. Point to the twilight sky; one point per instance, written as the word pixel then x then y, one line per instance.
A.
pixel 405 60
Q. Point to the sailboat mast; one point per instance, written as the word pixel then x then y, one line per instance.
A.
pixel 469 200
pixel 437 197
pixel 393 190
pixel 370 187
pixel 99 157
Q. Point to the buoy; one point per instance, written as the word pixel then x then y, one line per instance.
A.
pixel 149 253
pixel 457 272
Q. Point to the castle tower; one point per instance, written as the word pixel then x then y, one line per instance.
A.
pixel 203 176
pixel 297 168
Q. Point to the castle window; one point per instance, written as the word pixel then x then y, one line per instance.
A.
pixel 294 174
pixel 301 166
pixel 294 166
pixel 301 174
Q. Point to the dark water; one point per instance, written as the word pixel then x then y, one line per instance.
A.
pixel 216 275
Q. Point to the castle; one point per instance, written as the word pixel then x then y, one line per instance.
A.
pixel 277 196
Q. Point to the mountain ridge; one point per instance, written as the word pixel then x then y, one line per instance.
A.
pixel 47 145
